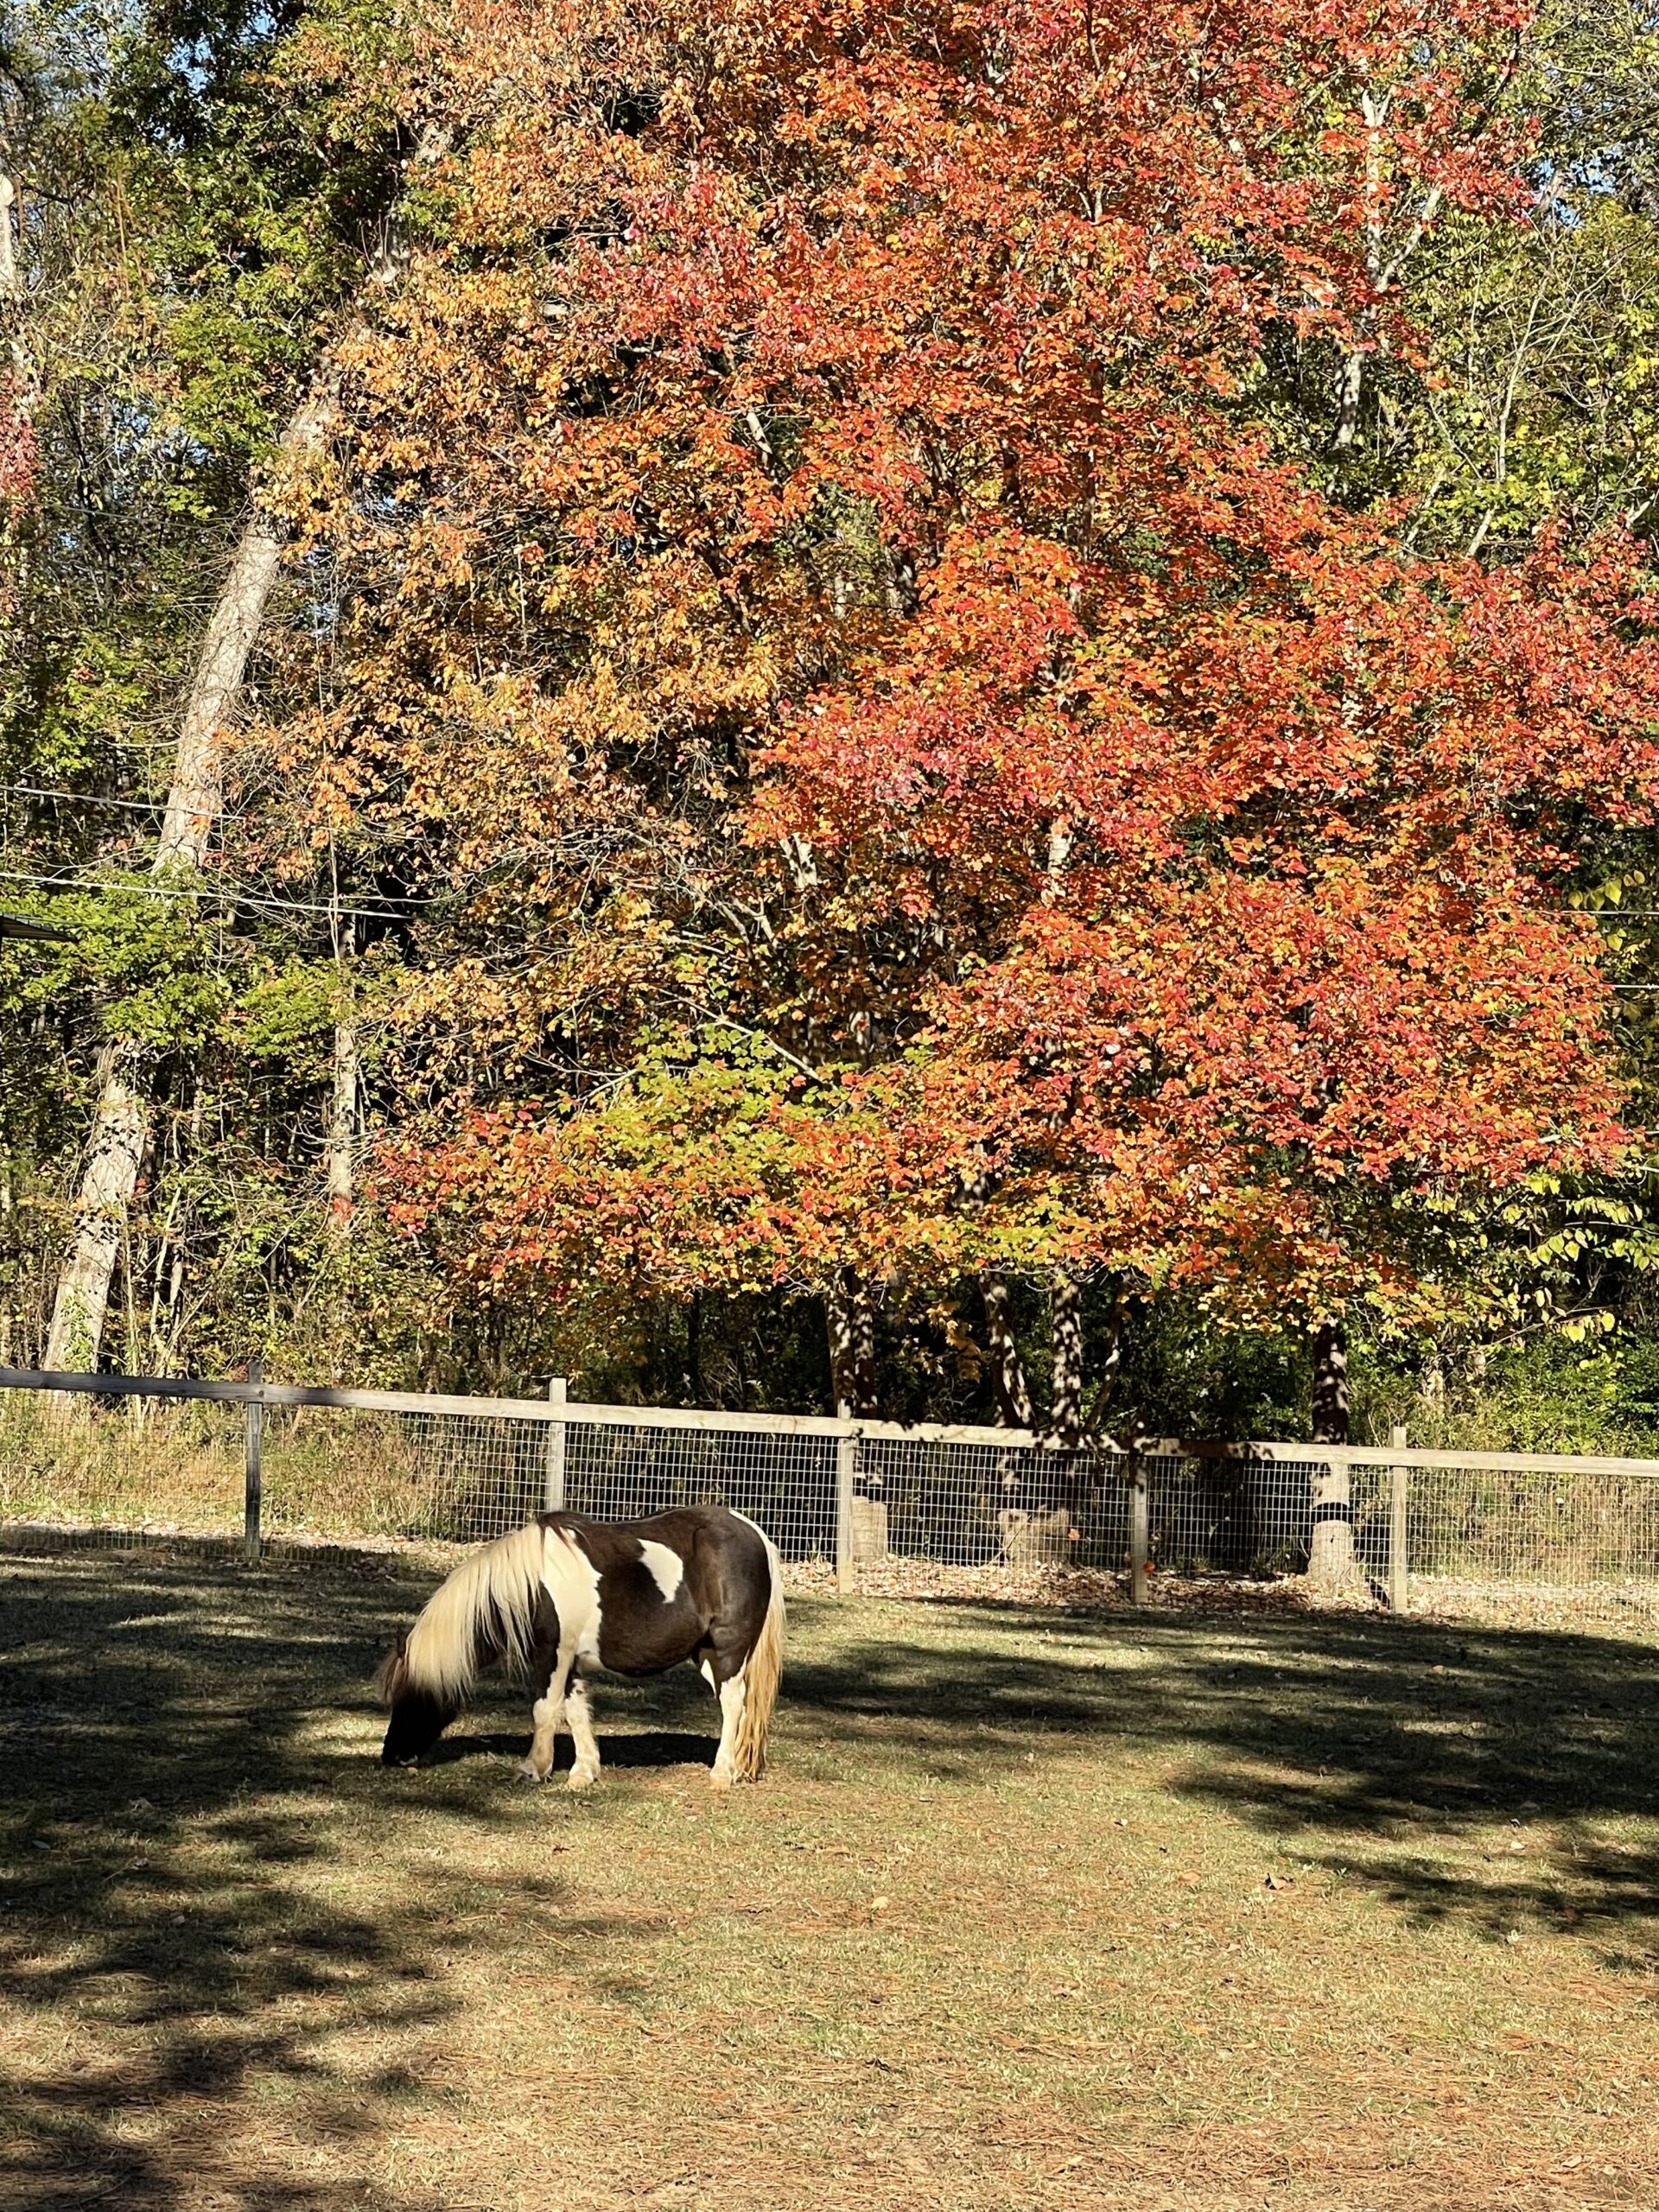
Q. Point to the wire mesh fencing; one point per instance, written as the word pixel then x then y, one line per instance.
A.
pixel 998 1500
pixel 1449 1530
pixel 861 1505
pixel 87 1469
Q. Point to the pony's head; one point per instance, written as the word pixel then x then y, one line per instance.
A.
pixel 418 1718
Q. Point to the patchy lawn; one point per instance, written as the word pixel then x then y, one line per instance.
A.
pixel 1034 1909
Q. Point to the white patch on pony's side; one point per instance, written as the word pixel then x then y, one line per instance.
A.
pixel 665 1568
pixel 571 1580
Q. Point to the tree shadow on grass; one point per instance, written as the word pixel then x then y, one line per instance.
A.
pixel 214 2011
pixel 1332 1731
pixel 646 1748
pixel 210 2009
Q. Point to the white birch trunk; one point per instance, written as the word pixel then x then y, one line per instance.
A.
pixel 340 1151
pixel 120 1131
pixel 339 1139
pixel 196 795
pixel 195 798
pixel 115 1155
pixel 13 300
pixel 1382 270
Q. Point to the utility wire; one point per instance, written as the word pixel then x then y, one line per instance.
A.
pixel 95 798
pixel 255 898
pixel 160 806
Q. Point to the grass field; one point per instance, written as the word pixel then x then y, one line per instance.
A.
pixel 1258 1909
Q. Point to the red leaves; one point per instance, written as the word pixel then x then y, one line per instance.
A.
pixel 18 455
pixel 1138 840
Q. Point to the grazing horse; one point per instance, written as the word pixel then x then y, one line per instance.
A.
pixel 565 1595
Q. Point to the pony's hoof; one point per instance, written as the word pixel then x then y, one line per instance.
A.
pixel 719 1781
pixel 528 1773
pixel 579 1778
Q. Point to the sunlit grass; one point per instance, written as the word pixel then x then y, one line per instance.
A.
pixel 1031 1911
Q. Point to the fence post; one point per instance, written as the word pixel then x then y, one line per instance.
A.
pixel 846 1469
pixel 1140 1527
pixel 1399 1564
pixel 553 1472
pixel 253 1435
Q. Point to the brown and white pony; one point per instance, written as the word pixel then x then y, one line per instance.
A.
pixel 565 1595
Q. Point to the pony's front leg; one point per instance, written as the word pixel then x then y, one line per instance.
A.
pixel 579 1714
pixel 545 1715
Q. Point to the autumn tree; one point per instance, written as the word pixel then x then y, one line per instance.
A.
pixel 1160 857
pixel 865 694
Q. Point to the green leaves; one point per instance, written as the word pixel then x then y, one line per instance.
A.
pixel 152 966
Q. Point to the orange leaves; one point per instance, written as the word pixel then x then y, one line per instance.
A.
pixel 811 571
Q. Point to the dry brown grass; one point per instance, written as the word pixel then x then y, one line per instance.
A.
pixel 1225 1911
pixel 178 1467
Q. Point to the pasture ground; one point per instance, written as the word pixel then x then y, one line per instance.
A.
pixel 1034 1911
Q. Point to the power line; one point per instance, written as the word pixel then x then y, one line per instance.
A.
pixel 94 798
pixel 255 898
pixel 160 806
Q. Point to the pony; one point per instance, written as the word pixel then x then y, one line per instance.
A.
pixel 563 1596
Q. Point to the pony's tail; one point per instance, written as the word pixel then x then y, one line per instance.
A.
pixel 485 1610
pixel 761 1677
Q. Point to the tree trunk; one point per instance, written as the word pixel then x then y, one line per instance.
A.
pixel 120 1119
pixel 342 1126
pixel 1351 385
pixel 120 1134
pixel 1065 1411
pixel 838 1327
pixel 1331 1549
pixel 864 1392
pixel 13 300
pixel 1431 1380
pixel 339 1148
pixel 850 1320
pixel 694 1350
pixel 1008 1383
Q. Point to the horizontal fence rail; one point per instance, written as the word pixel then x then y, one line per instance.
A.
pixel 866 1504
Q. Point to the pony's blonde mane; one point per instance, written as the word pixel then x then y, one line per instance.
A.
pixel 489 1601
